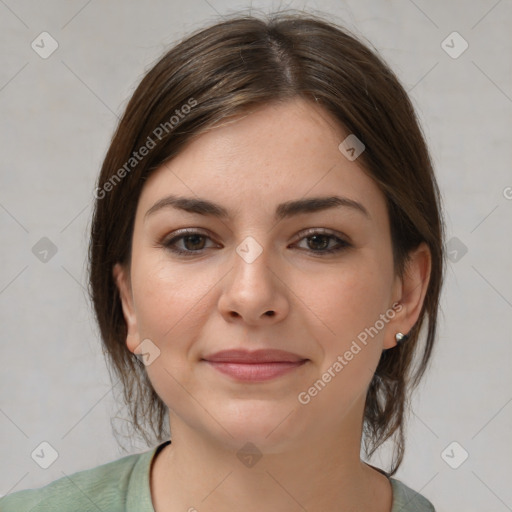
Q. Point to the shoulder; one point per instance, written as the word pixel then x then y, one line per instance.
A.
pixel 105 487
pixel 407 500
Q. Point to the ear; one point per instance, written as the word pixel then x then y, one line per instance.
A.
pixel 410 292
pixel 122 280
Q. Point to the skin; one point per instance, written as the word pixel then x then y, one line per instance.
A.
pixel 193 305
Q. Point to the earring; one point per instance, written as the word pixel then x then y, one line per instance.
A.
pixel 400 338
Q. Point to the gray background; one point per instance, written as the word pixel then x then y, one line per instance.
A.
pixel 58 115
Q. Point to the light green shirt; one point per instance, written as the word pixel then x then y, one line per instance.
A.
pixel 123 486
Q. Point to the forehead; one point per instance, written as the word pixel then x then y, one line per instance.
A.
pixel 275 153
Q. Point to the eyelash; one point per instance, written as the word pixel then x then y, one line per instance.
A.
pixel 342 244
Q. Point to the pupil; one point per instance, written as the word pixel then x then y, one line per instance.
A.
pixel 194 239
pixel 325 239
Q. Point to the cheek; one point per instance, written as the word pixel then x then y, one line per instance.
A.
pixel 167 299
pixel 171 299
pixel 170 304
pixel 349 299
pixel 348 306
pixel 349 302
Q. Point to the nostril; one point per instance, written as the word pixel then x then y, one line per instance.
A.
pixel 270 313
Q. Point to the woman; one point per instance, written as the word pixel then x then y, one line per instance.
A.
pixel 265 250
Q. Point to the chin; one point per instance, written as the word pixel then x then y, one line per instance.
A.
pixel 270 427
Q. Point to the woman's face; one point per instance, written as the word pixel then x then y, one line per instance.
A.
pixel 315 281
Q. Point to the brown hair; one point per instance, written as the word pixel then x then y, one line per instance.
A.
pixel 225 70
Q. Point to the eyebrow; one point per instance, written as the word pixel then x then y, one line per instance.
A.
pixel 284 210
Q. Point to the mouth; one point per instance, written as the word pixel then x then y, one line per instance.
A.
pixel 255 366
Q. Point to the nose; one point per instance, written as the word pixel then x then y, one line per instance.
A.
pixel 253 293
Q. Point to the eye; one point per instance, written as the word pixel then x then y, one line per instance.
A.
pixel 321 241
pixel 192 241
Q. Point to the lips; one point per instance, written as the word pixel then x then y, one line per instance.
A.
pixel 254 357
pixel 254 366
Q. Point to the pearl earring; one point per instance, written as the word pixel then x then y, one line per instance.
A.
pixel 400 338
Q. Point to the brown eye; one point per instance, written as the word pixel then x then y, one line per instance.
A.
pixel 189 242
pixel 194 242
pixel 318 242
pixel 324 243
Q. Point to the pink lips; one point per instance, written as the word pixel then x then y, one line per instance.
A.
pixel 258 365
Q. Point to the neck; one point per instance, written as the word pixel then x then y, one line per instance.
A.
pixel 322 474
